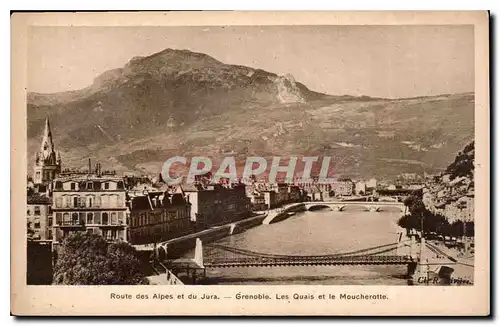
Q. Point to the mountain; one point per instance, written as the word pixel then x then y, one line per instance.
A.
pixel 177 102
pixel 463 166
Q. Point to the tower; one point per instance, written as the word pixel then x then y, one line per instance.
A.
pixel 47 160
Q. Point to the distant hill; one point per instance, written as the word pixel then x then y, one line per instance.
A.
pixel 177 102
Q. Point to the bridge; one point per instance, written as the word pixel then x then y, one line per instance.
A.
pixel 387 254
pixel 367 206
pixel 337 206
pixel 403 252
pixel 247 258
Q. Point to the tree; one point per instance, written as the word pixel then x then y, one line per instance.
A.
pixel 456 229
pixel 469 229
pixel 408 201
pixel 87 259
pixel 420 216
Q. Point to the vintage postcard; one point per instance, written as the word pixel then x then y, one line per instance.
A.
pixel 250 163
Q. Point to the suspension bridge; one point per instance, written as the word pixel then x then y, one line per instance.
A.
pixel 231 257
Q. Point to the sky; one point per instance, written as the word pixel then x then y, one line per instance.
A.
pixel 380 61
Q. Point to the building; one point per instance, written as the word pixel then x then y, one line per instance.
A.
pixel 343 187
pixel 314 193
pixel 215 204
pixel 159 216
pixel 282 193
pixel 91 202
pixel 360 188
pixel 261 201
pixel 371 184
pixel 39 217
pixel 47 161
pixel 294 194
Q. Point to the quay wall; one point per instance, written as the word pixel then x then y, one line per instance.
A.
pixel 283 214
pixel 177 247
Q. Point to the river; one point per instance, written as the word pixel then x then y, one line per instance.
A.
pixel 313 233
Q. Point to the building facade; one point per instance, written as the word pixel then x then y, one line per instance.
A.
pixel 39 217
pixel 215 204
pixel 343 187
pixel 94 203
pixel 158 216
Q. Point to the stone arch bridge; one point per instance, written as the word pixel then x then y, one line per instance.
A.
pixel 338 206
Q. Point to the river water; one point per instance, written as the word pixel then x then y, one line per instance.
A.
pixel 313 233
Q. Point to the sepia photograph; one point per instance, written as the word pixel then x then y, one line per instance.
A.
pixel 252 155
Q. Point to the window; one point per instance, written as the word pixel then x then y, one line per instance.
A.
pixel 120 217
pixel 106 185
pixel 81 201
pixel 28 212
pixel 105 218
pixel 90 218
pixel 91 201
pixel 75 201
pixel 97 218
pixel 37 224
pixel 73 186
pixel 112 200
pixel 37 175
pixel 50 221
pixel 114 220
pixel 49 235
pixel 97 202
pixel 37 210
pixel 58 218
pixel 120 185
pixel 66 219
pixel 74 218
pixel 114 234
pixel 106 234
pixel 90 185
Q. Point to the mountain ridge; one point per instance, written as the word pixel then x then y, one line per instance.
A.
pixel 185 103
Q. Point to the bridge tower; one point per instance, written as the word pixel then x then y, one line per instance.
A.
pixel 198 253
pixel 423 262
pixel 413 247
pixel 400 244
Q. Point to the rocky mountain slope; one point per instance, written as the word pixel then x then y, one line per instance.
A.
pixel 178 102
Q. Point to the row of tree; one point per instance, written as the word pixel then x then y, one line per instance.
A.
pixel 420 217
pixel 88 259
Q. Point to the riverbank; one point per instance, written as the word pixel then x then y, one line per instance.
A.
pixel 176 247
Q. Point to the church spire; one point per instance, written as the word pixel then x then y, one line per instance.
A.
pixel 47 161
pixel 47 146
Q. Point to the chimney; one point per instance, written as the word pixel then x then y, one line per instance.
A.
pixel 90 167
pixel 98 169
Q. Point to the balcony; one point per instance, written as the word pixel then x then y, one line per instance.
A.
pixel 93 207
pixel 71 224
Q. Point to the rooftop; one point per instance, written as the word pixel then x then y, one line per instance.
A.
pixel 88 177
